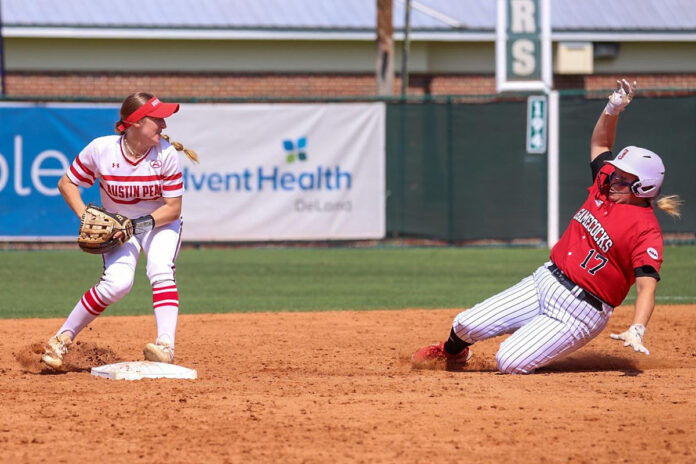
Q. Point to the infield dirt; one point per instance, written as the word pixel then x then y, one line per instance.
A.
pixel 339 387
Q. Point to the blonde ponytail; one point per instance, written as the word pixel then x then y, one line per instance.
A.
pixel 179 147
pixel 670 205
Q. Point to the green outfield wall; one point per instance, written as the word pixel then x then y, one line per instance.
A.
pixel 459 171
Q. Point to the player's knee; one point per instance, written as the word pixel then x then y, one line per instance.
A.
pixel 508 363
pixel 162 278
pixel 160 273
pixel 115 286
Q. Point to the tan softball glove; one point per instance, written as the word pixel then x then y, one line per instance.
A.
pixel 98 230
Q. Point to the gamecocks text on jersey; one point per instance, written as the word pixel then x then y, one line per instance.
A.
pixel 595 229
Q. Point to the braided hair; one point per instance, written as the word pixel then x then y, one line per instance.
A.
pixel 192 155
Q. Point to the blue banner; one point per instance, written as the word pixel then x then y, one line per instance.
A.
pixel 37 145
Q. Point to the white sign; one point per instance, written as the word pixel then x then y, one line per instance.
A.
pixel 536 124
pixel 523 45
pixel 283 171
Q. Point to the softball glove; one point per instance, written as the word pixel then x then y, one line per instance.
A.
pixel 98 227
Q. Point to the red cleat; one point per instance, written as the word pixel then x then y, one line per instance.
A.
pixel 434 356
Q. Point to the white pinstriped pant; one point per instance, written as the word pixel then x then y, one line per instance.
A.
pixel 549 321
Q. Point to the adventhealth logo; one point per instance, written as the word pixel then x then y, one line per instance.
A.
pixel 274 178
pixel 290 147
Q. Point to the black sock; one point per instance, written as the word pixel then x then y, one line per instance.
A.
pixel 455 345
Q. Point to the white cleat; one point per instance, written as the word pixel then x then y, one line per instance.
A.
pixel 159 352
pixel 55 350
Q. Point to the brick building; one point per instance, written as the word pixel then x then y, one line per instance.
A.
pixel 221 49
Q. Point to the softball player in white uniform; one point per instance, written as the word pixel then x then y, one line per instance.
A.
pixel 140 177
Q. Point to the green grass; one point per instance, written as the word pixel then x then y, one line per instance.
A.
pixel 48 283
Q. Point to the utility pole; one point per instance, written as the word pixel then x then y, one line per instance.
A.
pixel 385 48
pixel 407 46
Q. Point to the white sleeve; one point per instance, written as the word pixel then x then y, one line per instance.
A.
pixel 172 179
pixel 83 170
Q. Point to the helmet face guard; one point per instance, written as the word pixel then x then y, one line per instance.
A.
pixel 605 181
pixel 646 166
pixel 644 192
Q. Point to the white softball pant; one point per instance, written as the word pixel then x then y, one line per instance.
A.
pixel 546 319
pixel 160 246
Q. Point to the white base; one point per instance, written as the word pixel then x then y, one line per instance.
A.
pixel 136 370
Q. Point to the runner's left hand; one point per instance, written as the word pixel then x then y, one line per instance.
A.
pixel 633 337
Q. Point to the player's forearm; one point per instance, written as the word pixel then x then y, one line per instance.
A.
pixel 169 212
pixel 645 300
pixel 71 195
pixel 605 129
pixel 164 216
pixel 603 135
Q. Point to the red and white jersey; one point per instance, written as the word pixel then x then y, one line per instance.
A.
pixel 132 189
pixel 605 242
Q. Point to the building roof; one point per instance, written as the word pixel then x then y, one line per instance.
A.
pixel 336 19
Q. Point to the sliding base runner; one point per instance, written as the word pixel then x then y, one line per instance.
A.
pixel 612 242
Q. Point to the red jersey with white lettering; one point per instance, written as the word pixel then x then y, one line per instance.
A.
pixel 605 242
pixel 132 189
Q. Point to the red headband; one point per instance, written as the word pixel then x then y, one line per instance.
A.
pixel 153 107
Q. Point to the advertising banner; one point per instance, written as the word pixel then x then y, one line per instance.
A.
pixel 283 171
pixel 37 144
pixel 267 171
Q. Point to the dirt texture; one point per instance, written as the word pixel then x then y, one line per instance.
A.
pixel 339 387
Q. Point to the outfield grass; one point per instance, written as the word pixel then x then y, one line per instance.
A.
pixel 48 283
